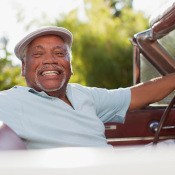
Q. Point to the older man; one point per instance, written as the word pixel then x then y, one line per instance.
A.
pixel 50 112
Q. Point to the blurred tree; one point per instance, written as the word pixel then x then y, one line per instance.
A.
pixel 102 53
pixel 10 74
pixel 118 5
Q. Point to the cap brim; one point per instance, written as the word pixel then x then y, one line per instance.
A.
pixel 65 34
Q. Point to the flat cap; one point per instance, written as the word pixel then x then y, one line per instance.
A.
pixel 62 32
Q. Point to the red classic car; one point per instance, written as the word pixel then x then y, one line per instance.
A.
pixel 154 55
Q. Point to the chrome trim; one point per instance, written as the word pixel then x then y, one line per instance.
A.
pixel 110 127
pixel 138 138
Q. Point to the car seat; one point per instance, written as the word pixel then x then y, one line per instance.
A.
pixel 9 140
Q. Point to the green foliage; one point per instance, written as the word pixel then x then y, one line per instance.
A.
pixel 102 52
pixel 117 6
pixel 10 74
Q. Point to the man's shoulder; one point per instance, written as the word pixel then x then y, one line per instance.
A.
pixel 7 91
pixel 78 88
pixel 76 85
pixel 9 98
pixel 13 90
pixel 13 93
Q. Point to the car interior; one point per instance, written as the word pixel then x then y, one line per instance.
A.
pixel 153 56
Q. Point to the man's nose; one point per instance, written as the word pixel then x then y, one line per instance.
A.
pixel 49 59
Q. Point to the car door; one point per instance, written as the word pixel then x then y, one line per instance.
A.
pixel 153 55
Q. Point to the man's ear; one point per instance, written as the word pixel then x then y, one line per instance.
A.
pixel 23 68
pixel 71 70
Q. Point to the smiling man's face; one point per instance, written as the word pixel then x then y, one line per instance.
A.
pixel 47 65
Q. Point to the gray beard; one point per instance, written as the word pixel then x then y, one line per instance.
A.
pixel 50 90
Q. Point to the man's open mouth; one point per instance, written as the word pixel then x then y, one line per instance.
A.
pixel 45 73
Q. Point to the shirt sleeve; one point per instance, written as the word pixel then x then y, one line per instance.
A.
pixel 112 105
pixel 10 111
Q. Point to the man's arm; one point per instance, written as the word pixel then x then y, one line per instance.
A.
pixel 151 91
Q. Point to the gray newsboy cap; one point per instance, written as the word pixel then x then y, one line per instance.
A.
pixel 65 34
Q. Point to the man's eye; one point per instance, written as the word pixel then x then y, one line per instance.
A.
pixel 60 54
pixel 38 54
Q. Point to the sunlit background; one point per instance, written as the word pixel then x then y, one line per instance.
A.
pixel 106 45
pixel 49 9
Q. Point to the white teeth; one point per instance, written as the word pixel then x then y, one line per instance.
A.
pixel 50 73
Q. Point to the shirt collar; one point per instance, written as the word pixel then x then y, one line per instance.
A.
pixel 41 94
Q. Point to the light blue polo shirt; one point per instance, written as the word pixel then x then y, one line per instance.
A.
pixel 47 122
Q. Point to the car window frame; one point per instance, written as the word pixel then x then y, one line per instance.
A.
pixel 146 43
